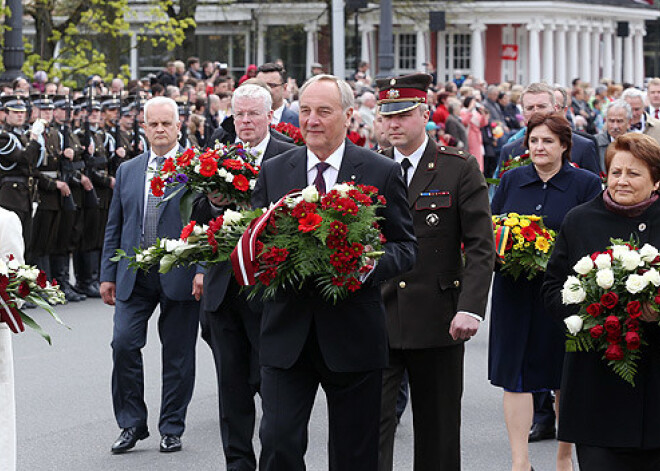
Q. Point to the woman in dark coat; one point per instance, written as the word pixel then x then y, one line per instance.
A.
pixel 614 425
pixel 526 347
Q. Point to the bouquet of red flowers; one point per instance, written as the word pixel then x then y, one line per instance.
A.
pixel 612 288
pixel 198 243
pixel 515 162
pixel 227 170
pixel 291 131
pixel 523 244
pixel 20 284
pixel 328 240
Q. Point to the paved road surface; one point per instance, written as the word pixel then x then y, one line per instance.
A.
pixel 65 419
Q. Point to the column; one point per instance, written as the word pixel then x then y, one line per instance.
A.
pixel 595 54
pixel 365 34
pixel 311 30
pixel 585 53
pixel 420 48
pixel 338 39
pixel 607 51
pixel 261 43
pixel 560 53
pixel 572 53
pixel 618 60
pixel 534 52
pixel 628 63
pixel 135 73
pixel 441 68
pixel 549 53
pixel 477 51
pixel 638 40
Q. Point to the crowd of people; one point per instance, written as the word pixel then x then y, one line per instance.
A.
pixel 75 169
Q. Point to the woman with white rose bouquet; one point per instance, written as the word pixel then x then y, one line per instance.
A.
pixel 614 424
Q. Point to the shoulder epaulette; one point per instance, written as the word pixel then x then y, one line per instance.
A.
pixel 453 151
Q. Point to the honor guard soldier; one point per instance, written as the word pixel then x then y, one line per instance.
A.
pixel 438 305
pixel 20 154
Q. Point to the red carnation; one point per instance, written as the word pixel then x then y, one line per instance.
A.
pixel 232 164
pixel 251 168
pixel 211 239
pixel 4 282
pixel 309 223
pixel 241 183
pixel 612 324
pixel 208 167
pixel 157 185
pixel 381 199
pixel 595 309
pixel 184 159
pixel 168 166
pixel 609 300
pixel 216 224
pixel 614 352
pixel 634 308
pixel 596 331
pixel 632 340
pixel 185 233
pixel 23 289
pixel 42 281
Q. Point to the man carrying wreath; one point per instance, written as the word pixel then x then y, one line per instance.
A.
pixel 306 342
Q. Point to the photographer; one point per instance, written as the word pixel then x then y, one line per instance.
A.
pixel 474 117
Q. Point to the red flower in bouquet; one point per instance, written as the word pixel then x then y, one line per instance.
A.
pixel 528 233
pixel 42 281
pixel 353 284
pixel 634 308
pixel 595 309
pixel 241 183
pixel 187 230
pixel 232 164
pixel 23 289
pixel 633 341
pixel 596 331
pixel 614 352
pixel 208 167
pixel 309 223
pixel 612 324
pixel 609 300
pixel 157 185
pixel 184 159
pixel 302 209
pixel 168 166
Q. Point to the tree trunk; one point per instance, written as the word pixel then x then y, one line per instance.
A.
pixel 43 22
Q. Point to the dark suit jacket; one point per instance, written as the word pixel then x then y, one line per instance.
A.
pixel 217 277
pixel 603 140
pixel 289 116
pixel 583 153
pixel 124 231
pixel 352 334
pixel 454 127
pixel 422 302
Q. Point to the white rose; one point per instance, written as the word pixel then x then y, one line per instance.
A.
pixel 181 248
pixel 584 265
pixel 222 172
pixel 343 189
pixel 232 217
pixel 574 324
pixel 603 261
pixel 13 265
pixel 310 194
pixel 253 183
pixel 198 230
pixel 572 292
pixel 171 244
pixel 605 278
pixel 229 177
pixel 619 250
pixel 631 260
pixel 4 270
pixel 648 253
pixel 636 283
pixel 652 276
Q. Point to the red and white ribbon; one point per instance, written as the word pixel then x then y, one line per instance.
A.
pixel 11 318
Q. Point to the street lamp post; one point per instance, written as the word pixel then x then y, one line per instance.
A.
pixel 385 47
pixel 13 52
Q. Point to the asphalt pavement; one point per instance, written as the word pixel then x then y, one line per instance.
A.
pixel 65 420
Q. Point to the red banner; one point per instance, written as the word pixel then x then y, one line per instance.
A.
pixel 509 52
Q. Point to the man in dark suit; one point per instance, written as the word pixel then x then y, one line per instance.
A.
pixel 306 341
pixel 229 324
pixel 275 77
pixel 617 122
pixel 540 98
pixel 438 305
pixel 136 219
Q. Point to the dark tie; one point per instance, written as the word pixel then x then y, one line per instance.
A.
pixel 319 181
pixel 637 126
pixel 152 216
pixel 406 165
pixel 657 112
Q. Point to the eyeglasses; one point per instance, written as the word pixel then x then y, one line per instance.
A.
pixel 274 85
pixel 249 114
pixel 539 107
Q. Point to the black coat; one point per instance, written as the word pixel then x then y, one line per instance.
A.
pixel 597 407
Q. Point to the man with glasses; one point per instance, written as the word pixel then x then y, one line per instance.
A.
pixel 275 77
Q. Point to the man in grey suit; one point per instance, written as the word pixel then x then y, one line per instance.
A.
pixel 136 219
pixel 617 121
pixel 229 324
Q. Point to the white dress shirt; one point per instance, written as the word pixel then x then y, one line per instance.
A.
pixel 277 115
pixel 332 172
pixel 151 167
pixel 261 147
pixel 414 158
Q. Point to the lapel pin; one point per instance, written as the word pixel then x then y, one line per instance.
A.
pixel 432 220
pixel 431 165
pixel 353 177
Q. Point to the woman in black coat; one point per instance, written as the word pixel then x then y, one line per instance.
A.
pixel 614 425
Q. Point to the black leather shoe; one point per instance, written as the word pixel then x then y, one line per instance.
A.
pixel 128 438
pixel 170 443
pixel 541 432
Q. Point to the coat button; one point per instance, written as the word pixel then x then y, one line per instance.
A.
pixel 538 207
pixel 402 284
pixel 457 283
pixel 433 205
pixel 642 227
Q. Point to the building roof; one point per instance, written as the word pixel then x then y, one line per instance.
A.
pixel 616 3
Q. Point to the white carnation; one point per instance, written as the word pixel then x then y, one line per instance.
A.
pixel 572 292
pixel 310 194
pixel 605 278
pixel 172 244
pixel 636 283
pixel 648 253
pixel 229 177
pixel 197 168
pixel 222 172
pixel 198 230
pixel 231 217
pixel 603 261
pixel 631 260
pixel 584 265
pixel 652 276
pixel 343 189
pixel 181 248
pixel 13 265
pixel 574 324
pixel 619 250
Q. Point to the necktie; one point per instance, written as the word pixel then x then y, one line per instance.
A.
pixel 657 113
pixel 406 165
pixel 319 181
pixel 636 126
pixel 152 216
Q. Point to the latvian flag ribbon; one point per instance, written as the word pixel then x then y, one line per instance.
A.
pixel 10 315
pixel 501 238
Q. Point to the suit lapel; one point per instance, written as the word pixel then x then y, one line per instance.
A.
pixel 297 177
pixel 424 173
pixel 139 183
pixel 349 169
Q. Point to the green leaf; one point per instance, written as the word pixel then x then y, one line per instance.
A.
pixel 185 206
pixel 27 320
